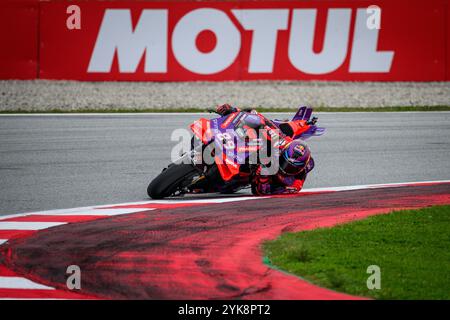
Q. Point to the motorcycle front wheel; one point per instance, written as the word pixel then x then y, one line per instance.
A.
pixel 174 178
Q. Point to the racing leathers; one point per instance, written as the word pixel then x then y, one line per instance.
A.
pixel 279 183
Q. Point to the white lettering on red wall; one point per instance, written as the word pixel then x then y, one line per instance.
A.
pixel 116 33
pixel 151 37
pixel 264 23
pixel 365 57
pixel 243 40
pixel 184 37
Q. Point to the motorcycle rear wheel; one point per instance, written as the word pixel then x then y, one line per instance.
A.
pixel 170 180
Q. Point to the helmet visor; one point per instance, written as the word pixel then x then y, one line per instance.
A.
pixel 291 168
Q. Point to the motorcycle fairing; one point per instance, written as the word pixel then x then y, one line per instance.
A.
pixel 207 131
pixel 299 124
pixel 228 159
pixel 313 131
pixel 303 113
pixel 202 130
pixel 227 167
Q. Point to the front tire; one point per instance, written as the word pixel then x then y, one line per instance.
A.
pixel 170 180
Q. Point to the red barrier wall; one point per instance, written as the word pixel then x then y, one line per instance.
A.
pixel 231 40
pixel 19 39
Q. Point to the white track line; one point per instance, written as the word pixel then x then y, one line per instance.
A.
pixel 32 299
pixel 193 201
pixel 83 211
pixel 106 208
pixel 21 283
pixel 28 225
pixel 373 186
pixel 46 212
pixel 98 210
pixel 26 299
pixel 2 241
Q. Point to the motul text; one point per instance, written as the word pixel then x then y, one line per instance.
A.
pixel 150 39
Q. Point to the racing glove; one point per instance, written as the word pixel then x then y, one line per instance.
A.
pixel 261 184
pixel 226 109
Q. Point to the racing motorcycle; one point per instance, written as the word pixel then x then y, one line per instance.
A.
pixel 229 143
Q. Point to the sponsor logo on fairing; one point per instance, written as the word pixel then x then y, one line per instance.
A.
pixel 230 118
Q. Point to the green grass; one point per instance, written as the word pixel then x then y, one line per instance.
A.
pixel 260 109
pixel 411 247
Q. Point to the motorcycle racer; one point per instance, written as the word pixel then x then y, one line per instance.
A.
pixel 295 161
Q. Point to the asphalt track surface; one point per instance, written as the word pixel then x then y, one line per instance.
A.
pixel 50 162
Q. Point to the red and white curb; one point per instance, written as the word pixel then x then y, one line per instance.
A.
pixel 13 226
pixel 13 286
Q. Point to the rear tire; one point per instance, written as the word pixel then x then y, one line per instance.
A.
pixel 168 181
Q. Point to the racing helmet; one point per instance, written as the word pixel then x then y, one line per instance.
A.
pixel 294 157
